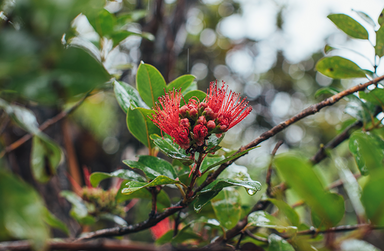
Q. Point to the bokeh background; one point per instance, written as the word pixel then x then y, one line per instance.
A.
pixel 264 49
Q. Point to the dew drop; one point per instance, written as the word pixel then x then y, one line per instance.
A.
pixel 251 191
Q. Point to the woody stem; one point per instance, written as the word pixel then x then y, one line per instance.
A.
pixel 195 174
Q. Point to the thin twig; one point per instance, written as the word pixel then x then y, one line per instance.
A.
pixel 237 247
pixel 255 237
pixel 321 153
pixel 43 126
pixel 269 171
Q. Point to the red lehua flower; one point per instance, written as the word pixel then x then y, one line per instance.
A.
pixel 230 108
pixel 167 118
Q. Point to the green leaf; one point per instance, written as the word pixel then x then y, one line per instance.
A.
pixel 125 174
pixel 326 90
pixel 141 126
pixel 170 148
pixel 365 17
pixel 197 94
pixel 210 191
pixel 379 47
pixel 209 161
pixel 276 243
pixel 53 221
pixel 162 197
pixel 152 166
pixel 349 25
pixel 130 17
pixel 181 83
pixel 353 245
pixel 21 212
pixel 338 203
pixel 286 213
pixel 45 158
pixel 105 23
pixel 302 179
pixel 372 197
pixel 368 151
pixel 360 110
pixel 213 143
pixel 328 48
pixel 150 84
pixel 339 68
pixel 351 186
pixel 380 20
pixel 22 116
pixel 227 207
pixel 79 210
pixel 237 155
pixel 127 96
pixel 264 219
pixel 133 186
pixel 375 96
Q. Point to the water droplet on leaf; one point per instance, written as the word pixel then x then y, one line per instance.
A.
pixel 251 191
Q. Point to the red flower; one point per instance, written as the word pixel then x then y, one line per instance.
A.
pixel 228 108
pixel 191 124
pixel 168 120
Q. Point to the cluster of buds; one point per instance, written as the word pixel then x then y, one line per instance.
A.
pixel 191 124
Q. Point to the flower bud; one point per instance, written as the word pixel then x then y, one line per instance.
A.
pixel 185 123
pixel 202 120
pixel 193 112
pixel 211 124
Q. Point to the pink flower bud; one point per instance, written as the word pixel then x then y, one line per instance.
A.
pixel 200 132
pixel 193 112
pixel 211 124
pixel 202 120
pixel 185 123
pixel 183 110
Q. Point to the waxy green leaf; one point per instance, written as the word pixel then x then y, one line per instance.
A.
pixel 79 210
pixel 152 166
pixel 353 245
pixel 277 243
pixel 264 219
pixel 45 158
pixel 54 222
pixel 150 84
pixel 133 186
pixel 368 151
pixel 372 197
pixel 197 95
pixel 181 83
pixel 380 20
pixel 22 212
pixel 286 213
pixel 365 17
pixel 339 68
pixel 121 35
pixel 105 23
pixel 349 25
pixel 210 191
pixel 227 207
pixel 326 90
pixel 141 126
pixel 376 96
pixel 300 176
pixel 170 148
pixel 127 96
pixel 125 174
pixel 379 47
pixel 161 198
pixel 360 110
